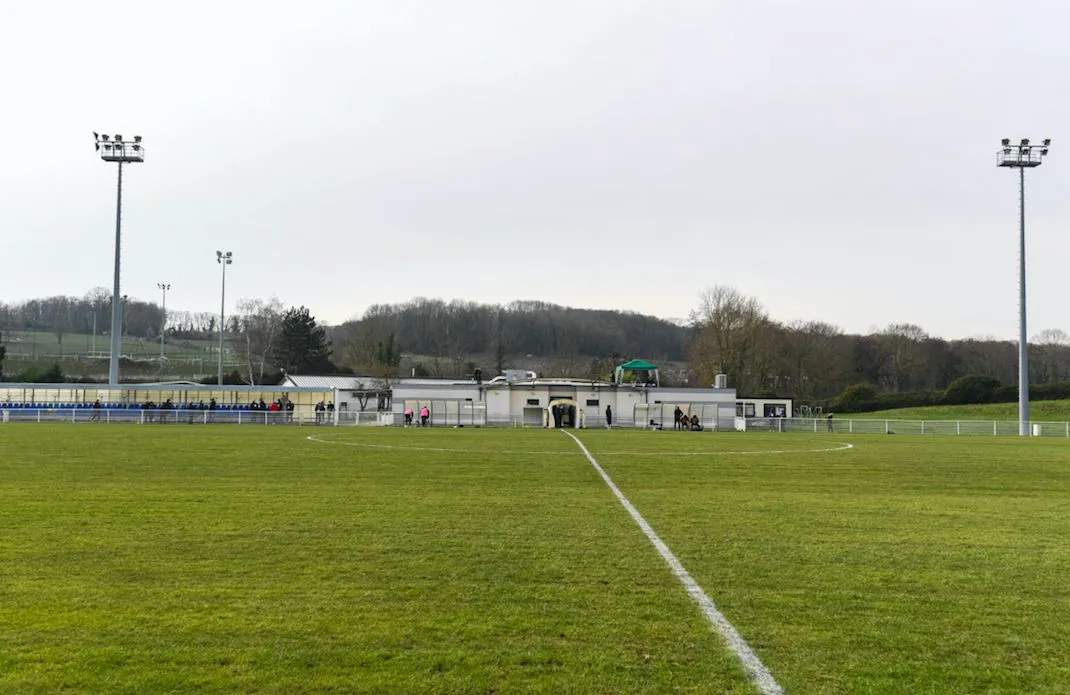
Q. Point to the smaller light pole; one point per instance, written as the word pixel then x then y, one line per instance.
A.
pixel 224 258
pixel 163 286
pixel 1021 157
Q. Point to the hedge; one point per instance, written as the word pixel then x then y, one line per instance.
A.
pixel 968 390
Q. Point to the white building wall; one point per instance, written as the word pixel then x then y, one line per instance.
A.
pixel 684 396
pixel 624 411
pixel 591 413
pixel 499 404
pixel 506 403
pixel 759 406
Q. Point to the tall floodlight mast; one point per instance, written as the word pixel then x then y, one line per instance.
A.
pixel 1021 157
pixel 121 152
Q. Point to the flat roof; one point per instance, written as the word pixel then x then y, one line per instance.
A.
pixel 162 386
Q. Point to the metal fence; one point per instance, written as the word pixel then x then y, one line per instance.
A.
pixel 461 413
pixel 191 416
pixel 991 428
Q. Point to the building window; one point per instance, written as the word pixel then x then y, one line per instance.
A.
pixel 744 410
pixel 533 401
pixel 593 402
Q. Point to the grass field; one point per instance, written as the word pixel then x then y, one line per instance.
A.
pixel 1050 411
pixel 200 559
pixel 26 343
pixel 79 355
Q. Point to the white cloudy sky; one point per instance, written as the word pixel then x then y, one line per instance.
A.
pixel 834 158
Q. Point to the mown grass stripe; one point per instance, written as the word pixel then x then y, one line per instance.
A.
pixel 758 672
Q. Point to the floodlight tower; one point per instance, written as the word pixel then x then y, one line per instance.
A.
pixel 224 258
pixel 163 287
pixel 121 152
pixel 1021 157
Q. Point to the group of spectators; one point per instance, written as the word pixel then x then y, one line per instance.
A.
pixel 425 417
pixel 280 410
pixel 322 411
pixel 159 413
pixel 682 422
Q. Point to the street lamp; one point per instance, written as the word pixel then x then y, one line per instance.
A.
pixel 224 258
pixel 1021 157
pixel 163 286
pixel 121 152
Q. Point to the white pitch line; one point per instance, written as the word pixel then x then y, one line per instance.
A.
pixel 840 446
pixel 753 665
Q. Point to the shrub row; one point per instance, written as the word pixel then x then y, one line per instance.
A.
pixel 968 390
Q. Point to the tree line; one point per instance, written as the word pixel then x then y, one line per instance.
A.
pixel 444 337
pixel 813 360
pixel 727 332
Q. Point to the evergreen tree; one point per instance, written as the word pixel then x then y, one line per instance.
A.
pixel 302 346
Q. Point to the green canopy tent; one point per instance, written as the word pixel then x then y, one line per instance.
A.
pixel 642 372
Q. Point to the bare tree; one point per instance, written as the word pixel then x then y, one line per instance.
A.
pixel 259 322
pixel 812 358
pixel 902 343
pixel 1052 346
pixel 728 330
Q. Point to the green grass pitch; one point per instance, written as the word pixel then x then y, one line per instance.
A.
pixel 250 559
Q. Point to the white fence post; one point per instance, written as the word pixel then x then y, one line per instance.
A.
pixel 923 427
pixel 958 426
pixel 994 424
pixel 887 429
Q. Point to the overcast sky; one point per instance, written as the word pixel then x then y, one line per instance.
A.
pixel 834 158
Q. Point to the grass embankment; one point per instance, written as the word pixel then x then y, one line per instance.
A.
pixel 1050 411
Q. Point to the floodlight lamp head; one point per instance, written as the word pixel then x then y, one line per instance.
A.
pixel 1006 150
pixel 118 138
pixel 1044 152
pixel 1005 141
pixel 1046 142
pixel 104 138
pixel 137 138
pixel 1025 142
